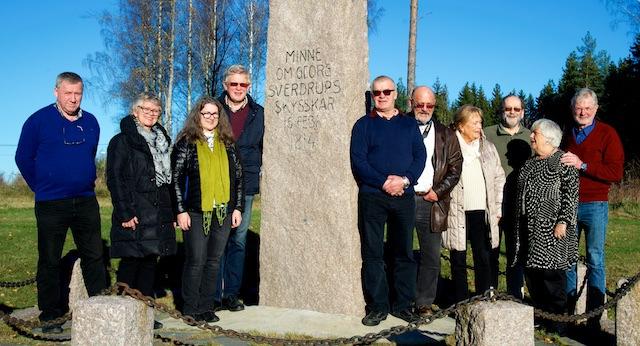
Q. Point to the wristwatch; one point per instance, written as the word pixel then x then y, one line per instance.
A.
pixel 583 167
pixel 406 182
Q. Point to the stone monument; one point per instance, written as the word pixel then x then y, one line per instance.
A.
pixel 628 316
pixel 317 75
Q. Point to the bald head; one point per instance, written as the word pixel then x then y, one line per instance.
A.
pixel 423 102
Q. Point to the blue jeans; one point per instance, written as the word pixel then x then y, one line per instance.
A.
pixel 232 262
pixel 593 218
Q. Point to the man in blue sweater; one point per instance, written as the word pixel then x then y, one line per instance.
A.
pixel 56 157
pixel 387 157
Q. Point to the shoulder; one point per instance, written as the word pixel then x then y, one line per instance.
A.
pixel 42 114
pixel 255 105
pixel 491 129
pixel 606 128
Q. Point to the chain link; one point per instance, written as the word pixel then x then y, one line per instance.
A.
pixel 15 284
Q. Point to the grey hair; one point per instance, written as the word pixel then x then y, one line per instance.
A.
pixel 70 77
pixel 381 78
pixel 142 98
pixel 236 69
pixel 504 99
pixel 584 93
pixel 550 130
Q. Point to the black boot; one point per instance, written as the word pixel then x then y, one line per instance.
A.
pixel 571 304
pixel 595 299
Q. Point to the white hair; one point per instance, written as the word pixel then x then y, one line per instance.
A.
pixel 550 130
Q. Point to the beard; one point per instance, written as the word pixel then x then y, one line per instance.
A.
pixel 510 122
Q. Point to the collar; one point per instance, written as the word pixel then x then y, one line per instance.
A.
pixel 57 107
pixel 503 130
pixel 586 130
pixel 229 104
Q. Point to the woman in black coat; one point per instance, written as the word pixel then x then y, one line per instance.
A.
pixel 139 179
pixel 207 177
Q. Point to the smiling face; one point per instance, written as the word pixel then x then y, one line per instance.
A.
pixel 513 112
pixel 68 96
pixel 538 141
pixel 423 103
pixel 209 117
pixel 236 85
pixel 386 98
pixel 584 111
pixel 471 129
pixel 147 114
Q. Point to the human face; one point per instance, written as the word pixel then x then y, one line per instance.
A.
pixel 68 96
pixel 538 141
pixel 471 129
pixel 423 104
pixel 233 86
pixel 513 112
pixel 147 114
pixel 384 103
pixel 584 111
pixel 209 117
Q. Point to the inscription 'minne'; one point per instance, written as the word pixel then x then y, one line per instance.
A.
pixel 303 55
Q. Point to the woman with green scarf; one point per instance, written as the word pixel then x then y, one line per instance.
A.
pixel 207 177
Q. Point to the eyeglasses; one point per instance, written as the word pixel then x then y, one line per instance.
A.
pixel 209 115
pixel 515 109
pixel 235 84
pixel 386 92
pixel 73 134
pixel 149 110
pixel 424 105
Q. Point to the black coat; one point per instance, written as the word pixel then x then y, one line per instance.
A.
pixel 250 145
pixel 186 178
pixel 131 179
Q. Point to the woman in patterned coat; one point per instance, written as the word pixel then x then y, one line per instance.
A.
pixel 547 205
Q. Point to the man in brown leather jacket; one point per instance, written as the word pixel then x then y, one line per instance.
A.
pixel 441 174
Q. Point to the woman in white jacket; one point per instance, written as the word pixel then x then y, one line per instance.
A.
pixel 476 204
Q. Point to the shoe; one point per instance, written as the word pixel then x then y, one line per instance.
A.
pixel 424 311
pixel 407 315
pixel 52 329
pixel 232 303
pixel 208 316
pixel 374 318
pixel 157 325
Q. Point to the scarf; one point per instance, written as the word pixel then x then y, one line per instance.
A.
pixel 470 151
pixel 214 181
pixel 160 151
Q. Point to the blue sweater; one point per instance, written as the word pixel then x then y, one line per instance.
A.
pixel 381 147
pixel 56 156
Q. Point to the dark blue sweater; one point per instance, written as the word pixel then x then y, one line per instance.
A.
pixel 56 156
pixel 381 147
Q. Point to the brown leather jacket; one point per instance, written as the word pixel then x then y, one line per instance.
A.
pixel 447 164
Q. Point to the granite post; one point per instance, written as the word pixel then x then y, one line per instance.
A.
pixel 628 317
pixel 317 75
pixel 581 304
pixel 495 323
pixel 77 289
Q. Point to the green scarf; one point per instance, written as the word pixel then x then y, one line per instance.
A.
pixel 214 181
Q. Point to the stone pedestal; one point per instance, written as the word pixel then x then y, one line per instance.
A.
pixel 581 304
pixel 628 317
pixel 495 323
pixel 317 75
pixel 77 289
pixel 112 321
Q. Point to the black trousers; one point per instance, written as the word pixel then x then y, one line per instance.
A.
pixel 374 210
pixel 53 219
pixel 138 273
pixel 547 288
pixel 478 236
pixel 430 244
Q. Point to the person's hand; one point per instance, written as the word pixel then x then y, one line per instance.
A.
pixel 131 223
pixel 571 159
pixel 431 196
pixel 236 218
pixel 184 221
pixel 560 231
pixel 394 185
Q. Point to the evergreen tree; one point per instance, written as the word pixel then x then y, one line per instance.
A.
pixel 442 112
pixel 466 96
pixel 496 103
pixel 570 75
pixel 483 104
pixel 402 102
pixel 530 111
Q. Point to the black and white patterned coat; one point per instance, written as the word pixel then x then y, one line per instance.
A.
pixel 547 195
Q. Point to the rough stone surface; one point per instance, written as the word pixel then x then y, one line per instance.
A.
pixel 113 321
pixel 495 323
pixel 317 74
pixel 77 289
pixel 628 317
pixel 581 304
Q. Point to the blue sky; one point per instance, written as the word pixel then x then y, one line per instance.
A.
pixel 518 44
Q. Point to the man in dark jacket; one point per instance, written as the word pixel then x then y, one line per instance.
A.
pixel 441 173
pixel 247 121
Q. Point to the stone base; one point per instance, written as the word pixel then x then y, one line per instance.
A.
pixel 628 317
pixel 112 321
pixel 495 323
pixel 77 289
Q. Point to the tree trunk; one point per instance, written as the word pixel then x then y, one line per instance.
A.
pixel 189 54
pixel 411 64
pixel 169 99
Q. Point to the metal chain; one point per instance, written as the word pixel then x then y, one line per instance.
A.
pixel 15 284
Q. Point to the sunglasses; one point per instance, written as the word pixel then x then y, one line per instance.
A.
pixel 235 84
pixel 424 105
pixel 386 92
pixel 515 109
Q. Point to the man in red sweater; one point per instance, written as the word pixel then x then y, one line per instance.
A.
pixel 596 150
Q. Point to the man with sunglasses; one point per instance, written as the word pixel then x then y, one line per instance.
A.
pixel 387 157
pixel 56 157
pixel 512 140
pixel 247 122
pixel 442 171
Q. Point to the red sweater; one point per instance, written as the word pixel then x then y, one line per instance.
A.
pixel 603 153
